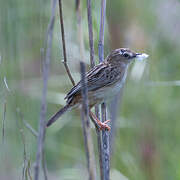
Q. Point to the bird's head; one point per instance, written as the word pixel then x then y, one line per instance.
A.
pixel 124 55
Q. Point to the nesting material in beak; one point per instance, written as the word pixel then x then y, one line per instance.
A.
pixel 140 57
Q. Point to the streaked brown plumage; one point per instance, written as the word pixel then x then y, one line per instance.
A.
pixel 103 81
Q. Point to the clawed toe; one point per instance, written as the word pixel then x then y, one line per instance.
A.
pixel 105 122
pixel 104 126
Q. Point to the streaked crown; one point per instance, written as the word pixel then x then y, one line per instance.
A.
pixel 124 55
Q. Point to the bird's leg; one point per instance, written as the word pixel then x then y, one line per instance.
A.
pixel 94 121
pixel 101 125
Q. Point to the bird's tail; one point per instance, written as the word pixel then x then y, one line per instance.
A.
pixel 57 115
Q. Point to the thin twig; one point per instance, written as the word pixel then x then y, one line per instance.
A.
pixel 86 126
pixel 64 44
pixel 31 129
pixel 99 142
pixel 91 41
pixel 87 134
pixel 42 121
pixel 105 146
pixel 101 33
pixel 92 62
pixel 90 28
pixel 105 135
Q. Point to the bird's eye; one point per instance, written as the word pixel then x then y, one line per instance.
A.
pixel 126 55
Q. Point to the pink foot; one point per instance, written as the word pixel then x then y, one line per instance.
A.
pixel 103 125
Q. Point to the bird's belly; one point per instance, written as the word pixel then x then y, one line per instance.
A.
pixel 106 93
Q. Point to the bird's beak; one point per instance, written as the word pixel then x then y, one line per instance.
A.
pixel 142 56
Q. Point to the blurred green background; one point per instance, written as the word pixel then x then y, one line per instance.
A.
pixel 147 136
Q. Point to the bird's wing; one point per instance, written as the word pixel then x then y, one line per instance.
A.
pixel 104 77
pixel 77 88
pixel 99 76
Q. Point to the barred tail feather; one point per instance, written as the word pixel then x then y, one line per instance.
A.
pixel 57 115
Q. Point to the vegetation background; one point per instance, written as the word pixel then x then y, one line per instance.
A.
pixel 146 144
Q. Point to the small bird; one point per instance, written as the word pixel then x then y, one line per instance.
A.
pixel 104 81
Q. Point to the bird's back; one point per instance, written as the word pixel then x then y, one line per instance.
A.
pixel 103 81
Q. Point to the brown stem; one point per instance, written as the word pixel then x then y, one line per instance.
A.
pixel 105 146
pixel 101 33
pixel 99 141
pixel 86 126
pixel 92 62
pixel 105 135
pixel 90 28
pixel 64 44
